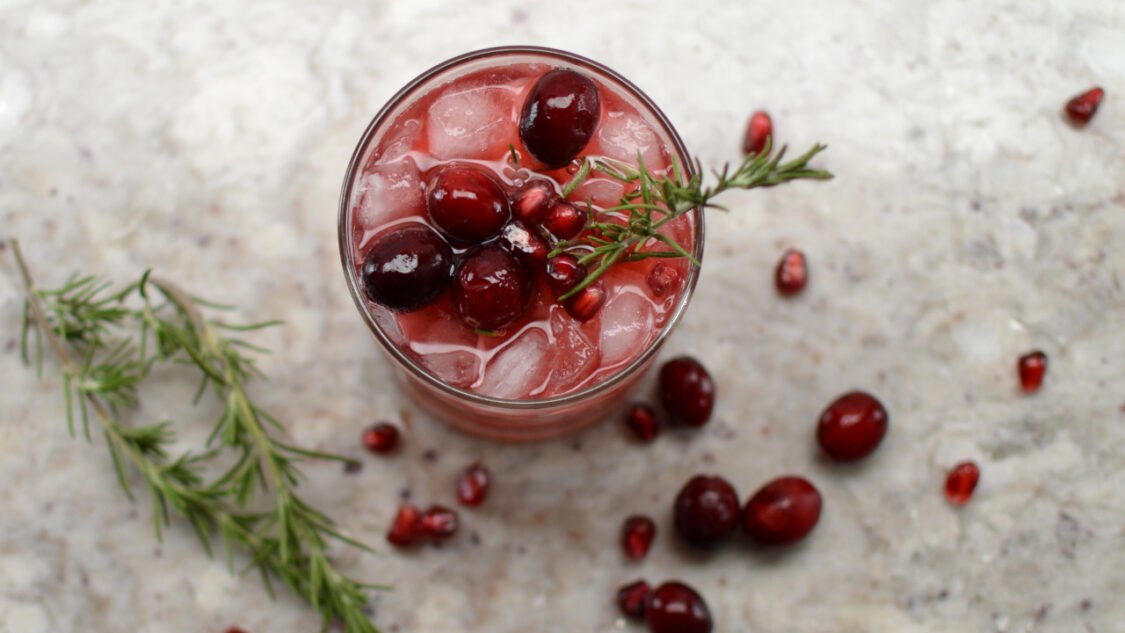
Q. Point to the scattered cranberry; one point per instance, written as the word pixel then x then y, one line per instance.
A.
pixel 472 486
pixel 560 116
pixel 235 629
pixel 641 420
pixel 706 510
pixel 564 272
pixel 677 608
pixel 439 522
pixel 631 599
pixel 584 305
pixel 759 131
pixel 491 288
pixel 792 273
pixel 529 247
pixel 1083 107
pixel 1032 367
pixel 407 526
pixel 687 391
pixel 662 279
pixel 852 426
pixel 783 511
pixel 960 483
pixel 564 220
pixel 407 269
pixel 531 202
pixel 637 534
pixel 466 203
pixel 381 437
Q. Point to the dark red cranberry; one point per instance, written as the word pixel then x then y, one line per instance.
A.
pixel 381 437
pixel 407 269
pixel 961 482
pixel 1083 107
pixel 852 426
pixel 687 391
pixel 662 279
pixel 560 116
pixel 759 131
pixel 641 420
pixel 564 272
pixel 529 247
pixel 783 511
pixel 235 629
pixel 792 273
pixel 565 221
pixel 631 599
pixel 532 201
pixel 439 522
pixel 472 486
pixel 677 608
pixel 466 203
pixel 1032 367
pixel 706 510
pixel 407 526
pixel 491 288
pixel 637 534
pixel 586 304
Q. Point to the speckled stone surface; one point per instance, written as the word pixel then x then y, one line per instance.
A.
pixel 968 224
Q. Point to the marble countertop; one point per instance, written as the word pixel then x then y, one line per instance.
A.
pixel 968 224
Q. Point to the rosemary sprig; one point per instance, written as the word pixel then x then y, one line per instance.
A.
pixel 83 322
pixel 651 202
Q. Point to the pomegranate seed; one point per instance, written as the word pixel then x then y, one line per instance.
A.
pixel 584 305
pixel 758 132
pixel 1032 367
pixel 631 599
pixel 560 116
pixel 529 247
pixel 706 510
pixel 564 272
pixel 466 203
pixel 439 522
pixel 687 391
pixel 491 288
pixel 381 438
pixel 406 527
pixel 532 201
pixel 472 486
pixel 564 221
pixel 783 511
pixel 641 420
pixel 637 534
pixel 852 426
pixel 677 608
pixel 1083 107
pixel 792 273
pixel 960 483
pixel 662 279
pixel 407 269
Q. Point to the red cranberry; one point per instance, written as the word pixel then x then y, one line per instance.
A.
pixel 439 522
pixel 1083 107
pixel 381 438
pixel 677 608
pixel 532 201
pixel 529 247
pixel 407 269
pixel 631 599
pixel 961 482
pixel 466 203
pixel 584 305
pixel 662 279
pixel 637 534
pixel 641 420
pixel 852 426
pixel 407 526
pixel 687 391
pixel 235 629
pixel 759 131
pixel 564 220
pixel 783 511
pixel 472 486
pixel 560 116
pixel 564 272
pixel 491 288
pixel 792 273
pixel 1032 367
pixel 706 510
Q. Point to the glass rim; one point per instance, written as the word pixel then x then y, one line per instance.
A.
pixel 348 262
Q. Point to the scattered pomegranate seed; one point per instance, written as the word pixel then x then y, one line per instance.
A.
pixel 564 272
pixel 641 420
pixel 662 279
pixel 466 203
pixel 532 201
pixel 439 522
pixel 472 486
pixel 674 607
pixel 560 116
pixel 631 599
pixel 637 534
pixel 852 426
pixel 529 247
pixel 706 510
pixel 584 305
pixel 758 132
pixel 381 437
pixel 960 483
pixel 407 526
pixel 1083 107
pixel 407 269
pixel 1032 367
pixel 792 273
pixel 783 511
pixel 687 391
pixel 491 288
pixel 564 220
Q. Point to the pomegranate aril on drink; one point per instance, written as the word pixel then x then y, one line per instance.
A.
pixel 641 420
pixel 532 201
pixel 473 484
pixel 674 607
pixel 792 273
pixel 1032 368
pixel 565 220
pixel 706 510
pixel 381 437
pixel 631 599
pixel 466 203
pixel 560 116
pixel 586 304
pixel 407 526
pixel 564 272
pixel 439 522
pixel 960 483
pixel 637 534
pixel 852 426
pixel 687 391
pixel 407 269
pixel 1081 108
pixel 529 247
pixel 783 511
pixel 759 131
pixel 491 288
pixel 662 279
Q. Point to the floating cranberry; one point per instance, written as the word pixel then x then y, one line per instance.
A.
pixel 1032 367
pixel 439 522
pixel 586 304
pixel 706 510
pixel 1083 107
pixel 472 486
pixel 631 599
pixel 961 482
pixel 560 116
pixel 783 511
pixel 674 607
pixel 407 526
pixel 662 279
pixel 564 220
pixel 687 391
pixel 466 203
pixel 637 534
pixel 759 132
pixel 532 201
pixel 792 273
pixel 564 272
pixel 529 247
pixel 641 420
pixel 852 426
pixel 491 288
pixel 381 437
pixel 407 269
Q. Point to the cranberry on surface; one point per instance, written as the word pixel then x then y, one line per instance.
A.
pixel 491 288
pixel 586 304
pixel 674 607
pixel 792 273
pixel 439 522
pixel 1081 108
pixel 473 485
pixel 687 391
pixel 532 201
pixel 565 220
pixel 637 534
pixel 960 483
pixel 407 526
pixel 560 116
pixel 381 437
pixel 1032 368
pixel 529 247
pixel 564 272
pixel 759 131
pixel 706 510
pixel 641 420
pixel 407 269
pixel 781 512
pixel 852 426
pixel 631 599
pixel 466 203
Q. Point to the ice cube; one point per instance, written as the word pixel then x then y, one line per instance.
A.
pixel 390 191
pixel 519 368
pixel 574 357
pixel 622 136
pixel 602 192
pixel 459 368
pixel 628 324
pixel 477 122
pixel 388 323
